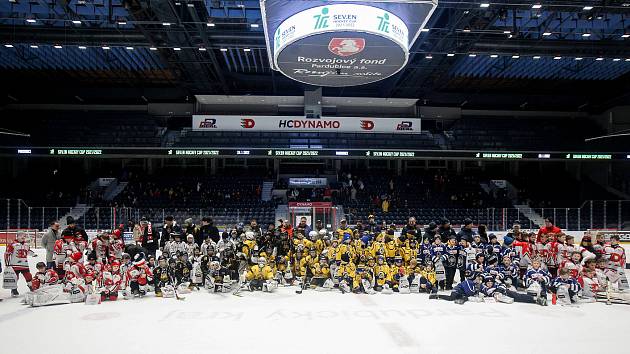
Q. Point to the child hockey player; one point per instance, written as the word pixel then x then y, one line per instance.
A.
pixel 42 281
pixel 462 292
pixel 111 281
pixel 346 273
pixel 260 276
pixel 138 276
pixel 616 263
pixel 162 276
pixel 116 245
pixel 382 273
pixel 321 275
pixel 16 257
pixel 218 279
pixel 492 288
pixel 565 287
pixel 363 280
pixel 63 248
pixel 537 279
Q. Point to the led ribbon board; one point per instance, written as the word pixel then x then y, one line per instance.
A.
pixel 342 43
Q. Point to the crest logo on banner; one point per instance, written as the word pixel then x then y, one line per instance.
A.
pixel 247 123
pixel 345 47
pixel 367 125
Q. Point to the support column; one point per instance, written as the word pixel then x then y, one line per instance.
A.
pixel 213 167
pixel 398 167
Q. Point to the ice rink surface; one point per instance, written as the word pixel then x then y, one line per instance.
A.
pixel 311 322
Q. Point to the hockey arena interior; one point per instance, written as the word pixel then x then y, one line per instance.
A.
pixel 273 176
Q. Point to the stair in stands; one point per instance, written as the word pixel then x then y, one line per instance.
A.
pixel 114 190
pixel 77 212
pixel 530 214
pixel 267 190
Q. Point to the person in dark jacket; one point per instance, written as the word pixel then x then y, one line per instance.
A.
pixel 411 226
pixel 429 233
pixel 73 229
pixel 445 230
pixel 208 230
pixel 147 236
pixel 466 232
pixel 483 233
pixel 170 226
pixel 190 228
pixel 372 226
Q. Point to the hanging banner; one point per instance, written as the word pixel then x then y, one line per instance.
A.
pixel 301 124
pixel 344 43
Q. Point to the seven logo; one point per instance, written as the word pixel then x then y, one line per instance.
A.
pixel 321 20
pixel 404 125
pixel 345 47
pixel 367 125
pixel 383 24
pixel 247 123
pixel 208 123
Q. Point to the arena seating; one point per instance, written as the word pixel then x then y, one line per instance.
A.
pixel 190 138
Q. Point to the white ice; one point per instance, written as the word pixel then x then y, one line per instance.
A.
pixel 313 322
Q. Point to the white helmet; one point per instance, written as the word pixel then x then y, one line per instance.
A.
pixel 249 235
pixel 190 237
pixel 312 234
pixel 322 232
pixel 262 261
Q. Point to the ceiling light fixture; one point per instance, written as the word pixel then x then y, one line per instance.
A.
pixel 472 55
pixel 202 49
pixel 247 50
pixel 536 57
pixel 557 58
pixel 31 20
pixel 586 34
pixel 546 34
pixel 587 8
pixel 484 5
pixel 428 56
pixel 76 22
pixel 9 45
pixel 106 48
pixel 425 30
pixel 579 58
pixel 82 47
pixel 494 55
pixel 57 46
pixel 34 46
pixel 152 48
pixel 599 59
pixel 515 56
pixel 617 59
pixel 129 48
pixel 210 24
pixel 166 23
pixel 625 35
pixel 223 49
pixel 450 54
pixel 177 49
pixel 254 25
pixel 536 6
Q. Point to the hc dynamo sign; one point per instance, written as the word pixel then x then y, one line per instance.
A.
pixel 301 124
pixel 342 43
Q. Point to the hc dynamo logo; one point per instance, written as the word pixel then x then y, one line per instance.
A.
pixel 383 24
pixel 321 20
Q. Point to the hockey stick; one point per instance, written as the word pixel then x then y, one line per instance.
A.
pixel 302 286
pixel 175 291
pixel 608 286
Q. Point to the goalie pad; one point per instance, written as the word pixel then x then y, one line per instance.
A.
pixel 197 276
pixel 367 287
pixel 562 295
pixel 623 285
pixel 269 286
pixel 327 286
pixel 46 299
pixel 76 294
pixel 478 298
pixel 403 285
pixel 344 287
pixel 503 298
pixel 387 290
pixel 534 289
pixel 92 299
pixel 414 287
pixel 440 273
pixel 183 288
pixel 168 291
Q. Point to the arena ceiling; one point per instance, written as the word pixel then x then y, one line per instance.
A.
pixel 559 55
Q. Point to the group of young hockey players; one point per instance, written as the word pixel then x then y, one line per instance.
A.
pixel 525 267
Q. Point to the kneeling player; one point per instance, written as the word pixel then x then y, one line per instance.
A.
pixel 218 279
pixel 565 287
pixel 42 282
pixel 501 293
pixel 260 276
